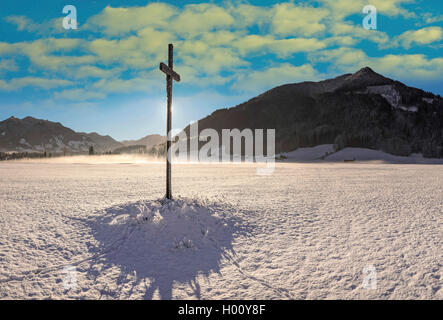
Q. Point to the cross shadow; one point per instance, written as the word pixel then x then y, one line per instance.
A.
pixel 164 242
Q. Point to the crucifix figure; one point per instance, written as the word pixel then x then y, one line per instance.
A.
pixel 170 75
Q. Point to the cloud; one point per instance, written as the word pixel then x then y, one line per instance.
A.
pixel 215 45
pixel 343 58
pixel 420 37
pixel 346 33
pixel 44 83
pixel 79 95
pixel 88 71
pixel 429 18
pixel 411 67
pixel 209 60
pixel 50 53
pixel 397 66
pixel 355 33
pixel 344 8
pixel 192 20
pixel 198 18
pixel 247 15
pixel 274 76
pixel 8 65
pixel 118 21
pixel 281 47
pixel 124 52
pixel 142 82
pixel 193 75
pixel 23 23
pixel 139 52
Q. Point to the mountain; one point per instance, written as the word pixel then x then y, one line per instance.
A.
pixel 364 109
pixel 36 135
pixel 149 141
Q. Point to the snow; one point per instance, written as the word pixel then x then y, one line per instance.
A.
pixel 409 108
pixel 388 92
pixel 309 231
pixel 428 100
pixel 361 154
pixel 326 153
pixel 179 239
pixel 59 142
pixel 78 145
pixel 392 96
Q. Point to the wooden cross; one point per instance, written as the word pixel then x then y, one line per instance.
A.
pixel 170 75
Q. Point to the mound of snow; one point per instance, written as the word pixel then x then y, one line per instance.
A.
pixel 310 154
pixel 362 154
pixel 326 152
pixel 167 241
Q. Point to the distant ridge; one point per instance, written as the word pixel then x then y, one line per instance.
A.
pixel 36 135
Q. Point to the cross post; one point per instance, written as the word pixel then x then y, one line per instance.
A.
pixel 170 75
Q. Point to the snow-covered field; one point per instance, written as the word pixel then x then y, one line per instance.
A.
pixel 309 231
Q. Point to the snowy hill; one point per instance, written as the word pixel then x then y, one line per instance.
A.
pixel 361 154
pixel 309 154
pixel 326 153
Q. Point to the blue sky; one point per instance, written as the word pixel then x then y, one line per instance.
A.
pixel 104 76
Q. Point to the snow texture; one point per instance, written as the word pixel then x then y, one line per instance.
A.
pixel 392 96
pixel 309 231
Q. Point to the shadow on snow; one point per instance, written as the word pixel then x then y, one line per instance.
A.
pixel 165 242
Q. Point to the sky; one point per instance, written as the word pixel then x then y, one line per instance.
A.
pixel 103 76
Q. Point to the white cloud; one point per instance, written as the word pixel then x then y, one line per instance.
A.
pixel 117 21
pixel 343 8
pixel 23 23
pixel 289 20
pixel 198 18
pixel 8 65
pixel 44 83
pixel 79 95
pixel 422 36
pixel 214 45
pixel 281 47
